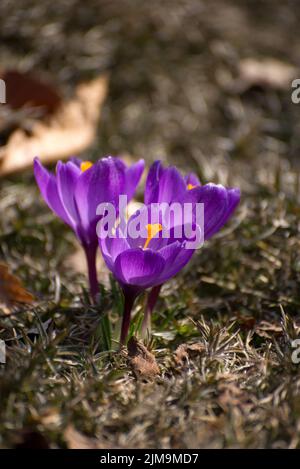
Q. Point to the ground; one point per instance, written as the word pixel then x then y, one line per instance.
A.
pixel 176 94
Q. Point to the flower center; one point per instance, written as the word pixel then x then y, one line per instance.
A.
pixel 152 230
pixel 85 165
pixel 190 187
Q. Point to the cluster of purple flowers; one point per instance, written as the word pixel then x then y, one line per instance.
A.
pixel 138 263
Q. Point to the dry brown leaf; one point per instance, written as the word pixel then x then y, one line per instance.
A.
pixel 70 130
pixel 141 360
pixel 28 98
pixel 76 440
pixel 269 73
pixel 23 89
pixel 186 351
pixel 12 290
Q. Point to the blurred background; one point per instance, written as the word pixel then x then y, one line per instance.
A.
pixel 205 85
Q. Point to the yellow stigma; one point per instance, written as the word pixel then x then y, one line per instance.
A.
pixel 190 186
pixel 85 165
pixel 152 230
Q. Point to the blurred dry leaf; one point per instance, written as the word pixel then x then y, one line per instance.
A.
pixel 267 73
pixel 12 290
pixel 26 90
pixel 186 351
pixel 76 440
pixel 69 130
pixel 141 360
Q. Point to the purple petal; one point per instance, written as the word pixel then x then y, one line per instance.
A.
pixel 67 176
pixel 143 215
pixel 176 257
pixel 152 183
pixel 171 186
pixel 117 161
pixel 170 252
pixel 138 268
pixel 133 175
pixel 48 187
pixel 167 185
pixel 102 182
pixel 215 200
pixel 111 248
pixel 174 227
pixel 192 180
pixel 233 199
pixel 76 161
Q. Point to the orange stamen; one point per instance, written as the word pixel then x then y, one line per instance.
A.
pixel 190 186
pixel 85 165
pixel 152 230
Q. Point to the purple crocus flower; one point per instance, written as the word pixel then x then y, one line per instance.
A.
pixel 75 191
pixel 168 185
pixel 148 259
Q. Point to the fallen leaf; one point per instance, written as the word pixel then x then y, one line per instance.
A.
pixel 26 90
pixel 266 73
pixel 70 130
pixel 186 351
pixel 142 361
pixel 12 290
pixel 76 440
pixel 27 98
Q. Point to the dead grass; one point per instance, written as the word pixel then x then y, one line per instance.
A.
pixel 238 301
